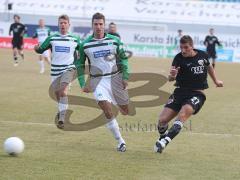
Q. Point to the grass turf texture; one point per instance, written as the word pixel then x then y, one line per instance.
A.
pixel 210 151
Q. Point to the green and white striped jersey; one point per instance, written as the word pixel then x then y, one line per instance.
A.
pixel 106 56
pixel 41 34
pixel 63 49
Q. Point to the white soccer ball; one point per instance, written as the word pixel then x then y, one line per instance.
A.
pixel 13 146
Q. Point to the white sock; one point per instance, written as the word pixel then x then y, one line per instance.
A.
pixel 41 63
pixel 114 128
pixel 62 107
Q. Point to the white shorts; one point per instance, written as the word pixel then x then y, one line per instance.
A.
pixel 109 88
pixel 45 54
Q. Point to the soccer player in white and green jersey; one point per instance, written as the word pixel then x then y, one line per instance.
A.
pixel 108 74
pixel 42 32
pixel 64 46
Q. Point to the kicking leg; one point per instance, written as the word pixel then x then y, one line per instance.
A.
pixel 185 112
pixel 165 117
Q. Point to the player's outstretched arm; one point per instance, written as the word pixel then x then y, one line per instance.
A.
pixel 44 46
pixel 212 74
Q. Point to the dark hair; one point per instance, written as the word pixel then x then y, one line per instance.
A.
pixel 112 23
pixel 179 30
pixel 64 16
pixel 98 16
pixel 15 15
pixel 186 39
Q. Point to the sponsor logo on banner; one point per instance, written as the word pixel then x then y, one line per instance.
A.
pixel 29 43
pixel 236 57
pixel 225 55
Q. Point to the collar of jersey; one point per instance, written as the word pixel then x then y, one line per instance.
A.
pixel 104 37
pixel 65 35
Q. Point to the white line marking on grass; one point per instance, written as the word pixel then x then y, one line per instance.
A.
pixel 186 132
pixel 27 123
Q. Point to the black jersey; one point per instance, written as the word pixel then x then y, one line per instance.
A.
pixel 115 34
pixel 17 29
pixel 193 70
pixel 210 42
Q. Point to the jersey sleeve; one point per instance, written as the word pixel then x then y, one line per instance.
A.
pixel 24 29
pixel 10 29
pixel 80 65
pixel 45 45
pixel 175 61
pixel 78 42
pixel 123 60
pixel 218 43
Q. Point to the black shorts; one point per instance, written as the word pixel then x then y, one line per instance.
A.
pixel 180 97
pixel 212 55
pixel 17 43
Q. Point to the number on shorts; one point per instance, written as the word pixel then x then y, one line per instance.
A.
pixel 195 100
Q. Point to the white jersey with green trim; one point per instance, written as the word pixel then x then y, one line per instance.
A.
pixel 63 49
pixel 42 34
pixel 102 54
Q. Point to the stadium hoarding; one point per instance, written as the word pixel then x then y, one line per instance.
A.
pixel 236 56
pixel 4 29
pixel 191 12
pixel 29 43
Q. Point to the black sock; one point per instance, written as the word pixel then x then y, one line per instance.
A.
pixel 15 58
pixel 173 131
pixel 22 55
pixel 162 129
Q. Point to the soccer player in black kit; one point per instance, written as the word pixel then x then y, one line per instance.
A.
pixel 18 30
pixel 189 68
pixel 112 29
pixel 210 42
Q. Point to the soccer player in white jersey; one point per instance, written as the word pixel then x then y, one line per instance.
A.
pixel 42 32
pixel 64 46
pixel 108 74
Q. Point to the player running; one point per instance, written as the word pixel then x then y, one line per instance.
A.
pixel 108 75
pixel 64 46
pixel 210 42
pixel 17 29
pixel 189 69
pixel 42 32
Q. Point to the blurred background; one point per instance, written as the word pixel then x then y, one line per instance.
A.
pixel 147 27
